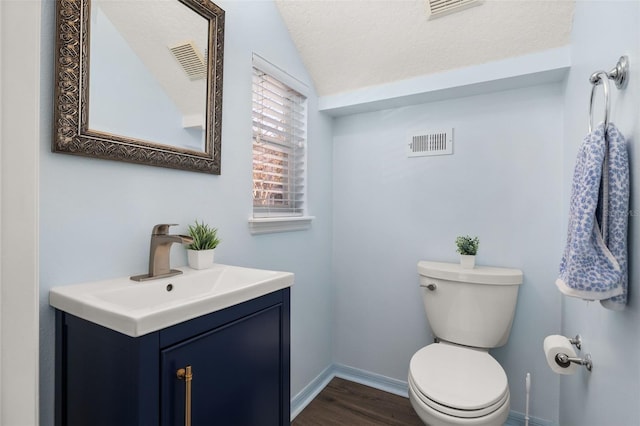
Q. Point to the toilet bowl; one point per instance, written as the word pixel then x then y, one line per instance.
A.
pixel 456 381
pixel 456 385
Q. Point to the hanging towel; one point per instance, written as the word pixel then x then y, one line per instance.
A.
pixel 591 268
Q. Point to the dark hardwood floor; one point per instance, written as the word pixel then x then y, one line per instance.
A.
pixel 346 403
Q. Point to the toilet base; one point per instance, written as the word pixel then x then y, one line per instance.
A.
pixel 432 417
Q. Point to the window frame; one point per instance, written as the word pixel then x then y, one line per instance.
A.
pixel 287 221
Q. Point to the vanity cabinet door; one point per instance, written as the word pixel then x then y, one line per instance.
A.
pixel 237 374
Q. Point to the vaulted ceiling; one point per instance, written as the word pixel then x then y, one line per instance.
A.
pixel 351 44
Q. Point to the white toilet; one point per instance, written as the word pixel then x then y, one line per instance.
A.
pixel 456 381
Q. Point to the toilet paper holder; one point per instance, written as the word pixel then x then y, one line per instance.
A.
pixel 576 341
pixel 564 361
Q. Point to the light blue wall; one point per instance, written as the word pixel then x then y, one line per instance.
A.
pixel 602 32
pixel 503 183
pixel 96 216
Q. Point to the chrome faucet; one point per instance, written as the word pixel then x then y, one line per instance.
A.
pixel 159 264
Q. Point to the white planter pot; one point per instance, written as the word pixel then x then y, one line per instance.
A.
pixel 467 261
pixel 200 259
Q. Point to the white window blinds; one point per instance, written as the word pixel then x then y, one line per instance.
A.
pixel 279 139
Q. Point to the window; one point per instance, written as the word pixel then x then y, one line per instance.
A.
pixel 279 144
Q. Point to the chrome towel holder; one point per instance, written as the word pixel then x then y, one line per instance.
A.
pixel 619 74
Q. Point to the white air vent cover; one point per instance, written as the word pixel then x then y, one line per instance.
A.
pixel 439 142
pixel 190 59
pixel 438 8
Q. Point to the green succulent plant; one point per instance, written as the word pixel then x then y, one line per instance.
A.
pixel 204 237
pixel 467 245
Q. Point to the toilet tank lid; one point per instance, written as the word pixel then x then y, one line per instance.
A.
pixel 477 275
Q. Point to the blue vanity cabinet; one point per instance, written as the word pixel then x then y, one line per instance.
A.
pixel 239 359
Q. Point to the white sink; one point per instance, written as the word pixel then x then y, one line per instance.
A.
pixel 137 308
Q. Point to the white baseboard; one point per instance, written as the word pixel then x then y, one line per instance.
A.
pixel 377 381
pixel 309 392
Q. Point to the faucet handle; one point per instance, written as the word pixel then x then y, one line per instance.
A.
pixel 162 228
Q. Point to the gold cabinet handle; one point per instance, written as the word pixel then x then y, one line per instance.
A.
pixel 186 375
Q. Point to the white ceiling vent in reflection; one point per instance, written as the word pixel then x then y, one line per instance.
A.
pixel 190 59
pixel 438 8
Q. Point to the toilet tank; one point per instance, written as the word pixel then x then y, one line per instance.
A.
pixel 472 307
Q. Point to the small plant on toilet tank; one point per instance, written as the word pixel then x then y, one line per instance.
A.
pixel 468 248
pixel 205 239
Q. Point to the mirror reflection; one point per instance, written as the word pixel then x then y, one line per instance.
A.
pixel 148 71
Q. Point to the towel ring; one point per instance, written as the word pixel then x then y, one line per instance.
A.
pixel 597 78
pixel 619 74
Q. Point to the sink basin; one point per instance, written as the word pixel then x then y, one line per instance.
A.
pixel 137 308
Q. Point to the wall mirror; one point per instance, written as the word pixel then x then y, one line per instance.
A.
pixel 140 81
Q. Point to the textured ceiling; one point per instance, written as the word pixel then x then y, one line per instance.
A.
pixel 350 44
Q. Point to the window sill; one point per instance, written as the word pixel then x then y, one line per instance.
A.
pixel 267 225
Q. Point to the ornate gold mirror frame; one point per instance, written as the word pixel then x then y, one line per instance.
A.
pixel 71 132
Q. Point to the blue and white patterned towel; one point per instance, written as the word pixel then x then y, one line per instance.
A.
pixel 592 269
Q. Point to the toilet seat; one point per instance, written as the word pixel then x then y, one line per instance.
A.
pixel 458 381
pixel 449 411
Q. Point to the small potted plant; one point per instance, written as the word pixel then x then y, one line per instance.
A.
pixel 205 239
pixel 468 248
